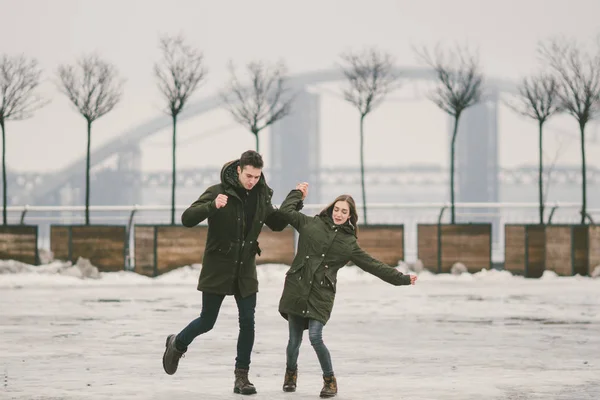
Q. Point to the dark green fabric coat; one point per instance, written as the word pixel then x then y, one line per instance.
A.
pixel 229 261
pixel 323 248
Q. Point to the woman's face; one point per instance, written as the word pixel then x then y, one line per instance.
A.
pixel 341 212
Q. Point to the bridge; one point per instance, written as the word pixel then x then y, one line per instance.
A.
pixel 295 150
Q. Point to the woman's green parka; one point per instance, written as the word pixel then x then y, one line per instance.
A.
pixel 323 248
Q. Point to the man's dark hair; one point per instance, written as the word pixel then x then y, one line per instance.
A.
pixel 252 158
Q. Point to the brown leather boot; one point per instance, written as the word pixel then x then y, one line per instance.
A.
pixel 171 356
pixel 242 385
pixel 330 388
pixel 289 382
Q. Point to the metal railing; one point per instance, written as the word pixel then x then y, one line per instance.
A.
pixel 408 214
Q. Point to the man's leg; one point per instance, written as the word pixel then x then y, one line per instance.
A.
pixel 177 345
pixel 211 304
pixel 246 308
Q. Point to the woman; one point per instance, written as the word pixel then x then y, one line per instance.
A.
pixel 326 243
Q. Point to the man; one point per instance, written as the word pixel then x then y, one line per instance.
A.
pixel 237 208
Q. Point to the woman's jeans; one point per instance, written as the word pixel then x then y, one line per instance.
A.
pixel 211 304
pixel 315 334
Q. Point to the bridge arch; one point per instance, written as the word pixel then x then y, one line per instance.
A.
pixel 129 140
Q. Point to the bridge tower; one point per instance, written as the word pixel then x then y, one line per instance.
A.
pixel 120 182
pixel 295 149
pixel 477 153
pixel 477 169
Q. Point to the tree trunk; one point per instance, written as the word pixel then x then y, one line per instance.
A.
pixel 583 175
pixel 87 173
pixel 4 197
pixel 540 174
pixel 362 167
pixel 173 169
pixel 452 151
pixel 257 142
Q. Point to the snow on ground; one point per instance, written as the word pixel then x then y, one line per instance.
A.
pixel 68 332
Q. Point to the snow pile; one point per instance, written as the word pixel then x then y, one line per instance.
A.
pixel 14 274
pixel 458 269
pixel 83 269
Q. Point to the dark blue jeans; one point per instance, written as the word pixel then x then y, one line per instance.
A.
pixel 211 304
pixel 315 335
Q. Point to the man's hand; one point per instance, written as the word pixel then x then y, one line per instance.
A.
pixel 413 279
pixel 303 187
pixel 221 201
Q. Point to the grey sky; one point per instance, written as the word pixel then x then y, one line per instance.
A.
pixel 308 35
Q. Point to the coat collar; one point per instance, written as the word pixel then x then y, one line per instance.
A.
pixel 347 227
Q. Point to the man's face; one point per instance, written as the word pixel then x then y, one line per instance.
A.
pixel 249 176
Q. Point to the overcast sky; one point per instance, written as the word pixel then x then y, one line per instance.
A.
pixel 307 35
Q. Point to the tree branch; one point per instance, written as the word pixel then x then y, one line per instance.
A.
pixel 19 78
pixel 92 85
pixel 179 73
pixel 263 102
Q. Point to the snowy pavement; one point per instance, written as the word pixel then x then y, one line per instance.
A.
pixel 484 336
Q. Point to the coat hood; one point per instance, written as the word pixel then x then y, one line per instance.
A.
pixel 229 175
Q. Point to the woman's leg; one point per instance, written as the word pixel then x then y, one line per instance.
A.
pixel 315 334
pixel 296 329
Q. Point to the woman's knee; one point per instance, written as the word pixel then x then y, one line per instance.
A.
pixel 316 338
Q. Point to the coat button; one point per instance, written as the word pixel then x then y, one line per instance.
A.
pixel 323 255
pixel 260 222
pixel 336 230
pixel 306 256
pixel 321 283
pixel 327 266
pixel 251 241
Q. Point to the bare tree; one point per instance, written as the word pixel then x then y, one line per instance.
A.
pixel 19 77
pixel 263 102
pixel 460 86
pixel 370 77
pixel 538 99
pixel 579 74
pixel 179 74
pixel 94 88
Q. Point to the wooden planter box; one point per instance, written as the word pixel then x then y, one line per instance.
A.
pixel 565 249
pixel 103 245
pixel 162 248
pixel 439 246
pixel 383 242
pixel 19 243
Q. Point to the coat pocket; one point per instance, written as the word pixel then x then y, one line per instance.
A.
pixel 222 248
pixel 295 269
pixel 225 248
pixel 330 282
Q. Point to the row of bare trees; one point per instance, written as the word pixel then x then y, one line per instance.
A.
pixel 570 83
pixel 94 87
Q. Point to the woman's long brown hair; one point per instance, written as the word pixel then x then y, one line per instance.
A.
pixel 328 211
